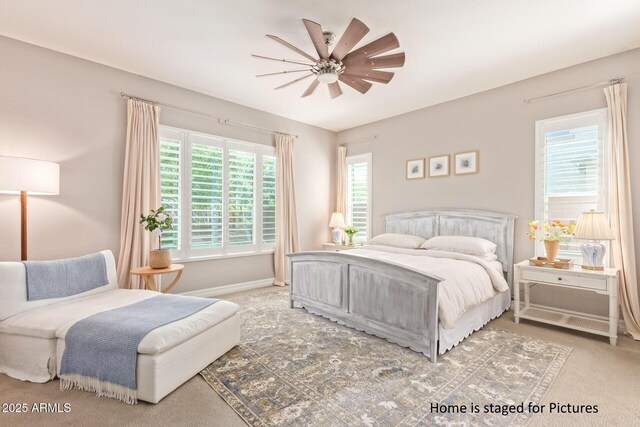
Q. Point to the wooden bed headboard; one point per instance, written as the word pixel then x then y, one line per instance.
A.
pixel 493 226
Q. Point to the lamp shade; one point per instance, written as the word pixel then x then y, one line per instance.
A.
pixel 32 176
pixel 593 225
pixel 337 220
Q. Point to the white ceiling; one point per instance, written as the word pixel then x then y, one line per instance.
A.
pixel 454 48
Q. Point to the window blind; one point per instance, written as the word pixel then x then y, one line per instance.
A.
pixel 170 189
pixel 571 171
pixel 206 196
pixel 358 195
pixel 240 197
pixel 268 199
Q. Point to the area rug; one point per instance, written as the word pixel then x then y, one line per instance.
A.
pixel 296 369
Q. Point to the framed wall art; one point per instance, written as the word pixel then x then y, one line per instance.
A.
pixel 415 168
pixel 439 166
pixel 466 163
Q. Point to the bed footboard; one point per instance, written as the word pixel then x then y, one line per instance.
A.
pixel 383 299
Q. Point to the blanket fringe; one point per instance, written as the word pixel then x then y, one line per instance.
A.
pixel 101 388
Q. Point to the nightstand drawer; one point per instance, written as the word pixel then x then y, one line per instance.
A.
pixel 548 277
pixel 599 283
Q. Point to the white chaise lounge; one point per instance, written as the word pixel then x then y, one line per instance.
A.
pixel 32 333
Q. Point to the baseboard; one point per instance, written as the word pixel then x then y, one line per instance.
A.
pixel 229 289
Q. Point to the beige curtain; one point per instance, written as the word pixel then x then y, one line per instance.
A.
pixel 140 189
pixel 286 214
pixel 620 213
pixel 341 178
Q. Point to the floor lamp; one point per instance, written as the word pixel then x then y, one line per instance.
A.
pixel 28 176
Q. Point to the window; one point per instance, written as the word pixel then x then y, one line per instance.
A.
pixel 570 170
pixel 358 193
pixel 221 192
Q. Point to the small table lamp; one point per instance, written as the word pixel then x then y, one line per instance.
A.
pixel 28 176
pixel 593 226
pixel 337 223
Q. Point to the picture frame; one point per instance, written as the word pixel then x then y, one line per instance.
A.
pixel 439 166
pixel 415 168
pixel 467 163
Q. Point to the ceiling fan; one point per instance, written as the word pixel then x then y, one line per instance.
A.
pixel 356 69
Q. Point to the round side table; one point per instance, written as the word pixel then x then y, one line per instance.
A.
pixel 147 272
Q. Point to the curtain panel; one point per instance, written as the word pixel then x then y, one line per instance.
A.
pixel 620 211
pixel 341 178
pixel 140 188
pixel 286 214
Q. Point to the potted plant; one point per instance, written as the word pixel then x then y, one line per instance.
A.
pixel 156 222
pixel 552 235
pixel 350 231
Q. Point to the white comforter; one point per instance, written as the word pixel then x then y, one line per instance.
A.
pixel 467 280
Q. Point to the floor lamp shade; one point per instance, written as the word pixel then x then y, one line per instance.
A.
pixel 36 177
pixel 28 176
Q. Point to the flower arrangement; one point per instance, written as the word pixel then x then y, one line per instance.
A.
pixel 350 231
pixel 554 231
pixel 156 222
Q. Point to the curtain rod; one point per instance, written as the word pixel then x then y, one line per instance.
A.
pixel 578 89
pixel 221 120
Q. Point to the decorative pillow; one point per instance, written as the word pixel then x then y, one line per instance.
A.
pixel 462 244
pixel 406 241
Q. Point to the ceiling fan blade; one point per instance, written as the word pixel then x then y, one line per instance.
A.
pixel 314 84
pixel 284 72
pixel 294 81
pixel 362 62
pixel 334 90
pixel 315 32
pixel 281 60
pixel 352 35
pixel 376 47
pixel 356 83
pixel 371 75
pixel 292 47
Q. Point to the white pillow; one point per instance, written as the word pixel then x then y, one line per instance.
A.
pixel 406 241
pixel 463 244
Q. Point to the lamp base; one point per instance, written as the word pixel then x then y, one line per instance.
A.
pixel 592 255
pixel 336 234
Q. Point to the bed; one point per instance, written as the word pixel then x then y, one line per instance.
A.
pixel 396 295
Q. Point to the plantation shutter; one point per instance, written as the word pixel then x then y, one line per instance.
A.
pixel 268 199
pixel 241 197
pixel 170 186
pixel 358 203
pixel 571 171
pixel 207 165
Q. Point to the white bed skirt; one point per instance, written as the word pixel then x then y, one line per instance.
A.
pixel 473 320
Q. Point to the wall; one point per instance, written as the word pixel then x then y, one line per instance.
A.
pixel 501 126
pixel 60 108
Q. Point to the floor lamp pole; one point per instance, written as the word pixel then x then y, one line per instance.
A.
pixel 23 225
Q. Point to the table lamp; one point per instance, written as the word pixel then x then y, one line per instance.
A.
pixel 593 226
pixel 28 176
pixel 337 223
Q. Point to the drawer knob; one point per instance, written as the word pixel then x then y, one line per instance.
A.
pixel 559 278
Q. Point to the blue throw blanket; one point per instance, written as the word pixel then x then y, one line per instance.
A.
pixel 101 350
pixel 65 277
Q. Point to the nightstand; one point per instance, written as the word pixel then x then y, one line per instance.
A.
pixel 337 248
pixel 603 282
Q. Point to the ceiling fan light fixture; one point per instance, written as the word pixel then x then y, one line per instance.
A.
pixel 355 68
pixel 327 77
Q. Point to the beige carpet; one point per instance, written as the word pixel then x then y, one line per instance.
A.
pixel 594 373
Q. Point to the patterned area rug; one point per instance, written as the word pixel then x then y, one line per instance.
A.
pixel 295 368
